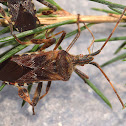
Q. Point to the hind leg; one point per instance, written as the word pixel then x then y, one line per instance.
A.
pixel 23 93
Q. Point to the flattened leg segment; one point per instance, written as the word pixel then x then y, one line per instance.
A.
pixel 23 93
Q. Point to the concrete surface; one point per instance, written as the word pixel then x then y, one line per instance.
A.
pixel 73 103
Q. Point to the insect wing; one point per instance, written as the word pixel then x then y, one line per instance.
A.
pixel 11 71
pixel 22 14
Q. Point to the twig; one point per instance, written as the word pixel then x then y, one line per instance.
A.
pixel 86 19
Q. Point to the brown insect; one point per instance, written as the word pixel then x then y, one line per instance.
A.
pixel 23 13
pixel 49 66
pixel 23 16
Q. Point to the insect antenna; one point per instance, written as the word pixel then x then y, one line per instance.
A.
pixel 97 52
pixel 98 66
pixel 113 30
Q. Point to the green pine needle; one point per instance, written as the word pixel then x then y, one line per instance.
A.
pixel 2 86
pixel 114 5
pixel 117 58
pixel 97 91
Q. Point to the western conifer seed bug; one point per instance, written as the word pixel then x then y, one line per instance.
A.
pixel 48 66
pixel 23 16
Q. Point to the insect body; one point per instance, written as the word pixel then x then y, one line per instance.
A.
pixel 44 66
pixel 23 17
pixel 47 66
pixel 23 14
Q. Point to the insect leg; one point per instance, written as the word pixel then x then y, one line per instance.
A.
pixel 114 29
pixel 37 93
pixel 23 93
pixel 47 90
pixel 36 96
pixel 37 41
pixel 98 66
pixel 60 40
pixel 98 51
pixel 57 44
pixel 47 42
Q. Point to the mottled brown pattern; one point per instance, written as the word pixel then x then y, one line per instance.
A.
pixel 39 60
pixel 45 66
pixel 23 14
